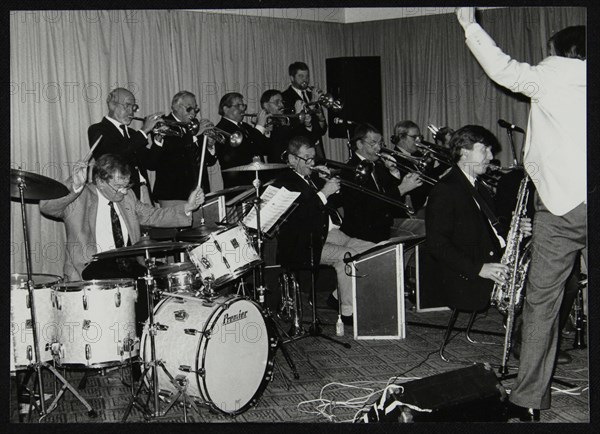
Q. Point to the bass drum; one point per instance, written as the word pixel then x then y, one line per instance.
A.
pixel 223 348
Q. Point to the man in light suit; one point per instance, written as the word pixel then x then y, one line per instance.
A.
pixel 87 215
pixel 555 157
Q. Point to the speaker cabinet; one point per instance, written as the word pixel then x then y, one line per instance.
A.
pixel 429 296
pixel 471 394
pixel 356 81
pixel 378 294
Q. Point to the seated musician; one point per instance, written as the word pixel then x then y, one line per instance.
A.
pixel 93 224
pixel 119 138
pixel 463 235
pixel 442 137
pixel 407 136
pixel 310 228
pixel 367 217
pixel 232 110
pixel 179 165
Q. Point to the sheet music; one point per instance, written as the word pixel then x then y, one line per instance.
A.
pixel 275 202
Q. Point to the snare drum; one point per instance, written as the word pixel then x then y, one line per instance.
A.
pixel 21 332
pixel 222 349
pixel 96 322
pixel 225 256
pixel 178 276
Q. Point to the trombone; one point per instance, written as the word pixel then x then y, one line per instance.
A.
pixel 360 171
pixel 419 164
pixel 437 152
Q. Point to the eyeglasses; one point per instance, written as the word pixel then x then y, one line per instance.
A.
pixel 416 136
pixel 306 160
pixel 373 144
pixel 240 106
pixel 192 109
pixel 120 188
pixel 133 107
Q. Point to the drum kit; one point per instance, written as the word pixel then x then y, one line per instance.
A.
pixel 197 347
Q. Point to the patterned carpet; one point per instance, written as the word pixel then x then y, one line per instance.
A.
pixel 353 376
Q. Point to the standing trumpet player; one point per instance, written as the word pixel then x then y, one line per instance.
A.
pixel 296 99
pixel 118 138
pixel 178 169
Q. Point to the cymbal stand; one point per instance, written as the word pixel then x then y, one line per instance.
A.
pixel 36 366
pixel 261 286
pixel 152 365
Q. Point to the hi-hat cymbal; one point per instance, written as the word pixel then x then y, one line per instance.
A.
pixel 256 165
pixel 142 246
pixel 197 234
pixel 35 187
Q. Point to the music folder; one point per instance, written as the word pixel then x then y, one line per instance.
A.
pixel 274 203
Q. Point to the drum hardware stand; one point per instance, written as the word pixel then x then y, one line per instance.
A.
pixel 35 368
pixel 153 391
pixel 315 328
pixel 261 288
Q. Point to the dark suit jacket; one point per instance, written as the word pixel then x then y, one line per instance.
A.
pixel 253 143
pixel 308 221
pixel 460 240
pixel 178 168
pixel 289 100
pixel 365 216
pixel 133 149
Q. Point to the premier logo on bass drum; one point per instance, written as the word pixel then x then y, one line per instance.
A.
pixel 233 318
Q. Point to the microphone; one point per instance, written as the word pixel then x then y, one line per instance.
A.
pixel 340 121
pixel 510 126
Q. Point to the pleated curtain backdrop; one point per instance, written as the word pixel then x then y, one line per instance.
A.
pixel 64 63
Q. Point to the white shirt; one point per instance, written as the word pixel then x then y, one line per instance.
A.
pixel 104 236
pixel 472 181
pixel 555 145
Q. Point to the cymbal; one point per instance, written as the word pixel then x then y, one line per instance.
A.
pixel 197 234
pixel 256 165
pixel 226 191
pixel 36 187
pixel 141 247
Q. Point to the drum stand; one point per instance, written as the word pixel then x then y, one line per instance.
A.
pixel 153 364
pixel 34 370
pixel 275 327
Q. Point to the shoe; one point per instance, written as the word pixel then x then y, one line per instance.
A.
pixel 524 414
pixel 348 320
pixel 333 303
pixel 563 358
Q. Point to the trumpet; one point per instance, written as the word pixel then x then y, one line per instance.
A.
pixel 419 164
pixel 280 119
pixel 222 137
pixel 166 127
pixel 325 100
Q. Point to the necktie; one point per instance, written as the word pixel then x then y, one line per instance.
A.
pixel 375 177
pixel 124 129
pixel 116 226
pixel 311 183
pixel 305 96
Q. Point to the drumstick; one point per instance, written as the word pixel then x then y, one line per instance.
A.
pixel 88 156
pixel 202 160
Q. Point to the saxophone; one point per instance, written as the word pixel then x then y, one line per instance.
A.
pixel 509 295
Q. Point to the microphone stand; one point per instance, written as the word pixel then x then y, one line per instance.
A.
pixel 512 147
pixel 348 144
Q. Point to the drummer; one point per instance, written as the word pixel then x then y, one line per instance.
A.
pixel 94 224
